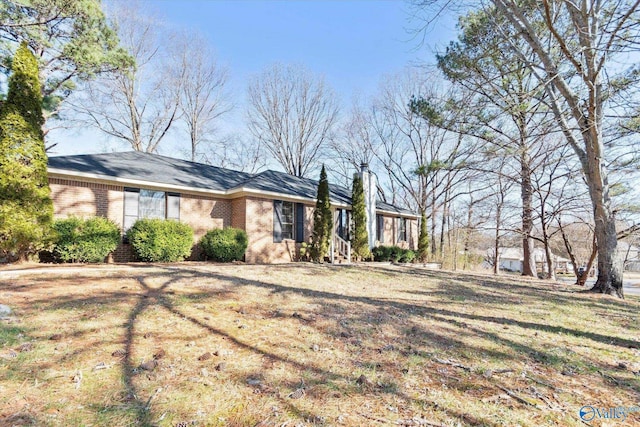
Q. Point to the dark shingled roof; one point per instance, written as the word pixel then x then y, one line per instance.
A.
pixel 151 167
pixel 158 169
pixel 280 182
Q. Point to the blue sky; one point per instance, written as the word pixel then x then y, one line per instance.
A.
pixel 353 44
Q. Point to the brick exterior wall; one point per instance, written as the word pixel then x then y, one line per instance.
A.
pixel 239 213
pixel 203 213
pixel 391 233
pixel 86 199
pixel 413 231
pixel 308 222
pixel 257 216
pixel 259 228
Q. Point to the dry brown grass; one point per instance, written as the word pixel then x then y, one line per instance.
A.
pixel 368 345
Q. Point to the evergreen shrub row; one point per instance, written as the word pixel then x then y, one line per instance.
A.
pixel 393 254
pixel 152 240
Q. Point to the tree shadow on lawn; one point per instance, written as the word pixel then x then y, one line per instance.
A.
pixel 427 310
pixel 529 287
pixel 452 317
pixel 139 408
pixel 324 375
pixel 134 404
pixel 161 296
pixel 157 296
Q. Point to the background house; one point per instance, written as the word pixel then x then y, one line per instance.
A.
pixel 630 254
pixel 512 259
pixel 274 208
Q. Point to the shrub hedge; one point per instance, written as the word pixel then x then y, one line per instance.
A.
pixel 225 245
pixel 85 240
pixel 160 240
pixel 393 254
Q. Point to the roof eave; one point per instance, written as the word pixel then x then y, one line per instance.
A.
pixel 108 179
pixel 231 193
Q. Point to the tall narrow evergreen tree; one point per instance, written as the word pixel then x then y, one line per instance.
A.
pixel 423 239
pixel 322 220
pixel 26 208
pixel 359 236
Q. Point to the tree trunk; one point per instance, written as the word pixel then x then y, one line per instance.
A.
pixel 443 223
pixel 496 266
pixel 587 111
pixel 434 247
pixel 569 248
pixel 529 262
pixel 609 265
pixel 551 271
pixel 594 251
pixel 467 237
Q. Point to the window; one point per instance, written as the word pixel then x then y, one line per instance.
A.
pixel 344 219
pixel 151 204
pixel 380 228
pixel 140 203
pixel 402 229
pixel 288 221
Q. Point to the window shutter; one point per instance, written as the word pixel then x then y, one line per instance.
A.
pixel 277 221
pixel 299 218
pixel 131 198
pixel 173 206
pixel 347 227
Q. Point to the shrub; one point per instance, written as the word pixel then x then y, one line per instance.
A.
pixel 359 235
pixel 423 239
pixel 304 252
pixel 225 245
pixel 160 240
pixel 396 254
pixel 381 253
pixel 322 220
pixel 393 254
pixel 26 209
pixel 408 256
pixel 85 240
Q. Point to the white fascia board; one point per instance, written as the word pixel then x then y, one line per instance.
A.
pixel 398 214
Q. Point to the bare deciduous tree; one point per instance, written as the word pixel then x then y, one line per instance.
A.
pixel 292 113
pixel 589 35
pixel 201 82
pixel 424 162
pixel 576 44
pixel 138 105
pixel 234 152
pixel 355 144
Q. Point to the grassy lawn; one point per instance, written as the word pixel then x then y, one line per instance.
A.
pixel 235 345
